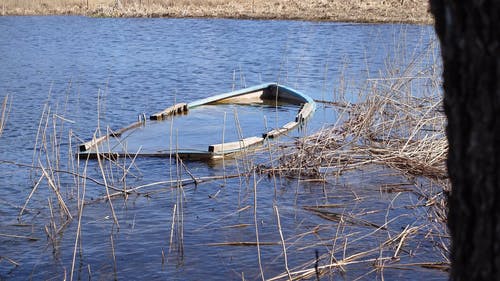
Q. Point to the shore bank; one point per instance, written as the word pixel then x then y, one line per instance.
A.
pixel 367 11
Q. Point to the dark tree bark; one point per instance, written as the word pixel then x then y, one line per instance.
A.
pixel 469 32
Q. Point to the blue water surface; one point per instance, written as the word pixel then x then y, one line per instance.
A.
pixel 67 76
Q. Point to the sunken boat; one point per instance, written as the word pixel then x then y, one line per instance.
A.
pixel 200 130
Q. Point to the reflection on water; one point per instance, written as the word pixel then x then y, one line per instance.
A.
pixel 68 76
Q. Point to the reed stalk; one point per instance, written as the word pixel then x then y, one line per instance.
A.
pixel 81 204
pixel 257 225
pixel 112 241
pixel 11 261
pixel 4 113
pixel 100 162
pixel 276 210
pixel 172 227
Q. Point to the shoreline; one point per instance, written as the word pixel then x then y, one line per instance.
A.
pixel 355 11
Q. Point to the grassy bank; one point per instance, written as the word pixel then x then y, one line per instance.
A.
pixel 408 11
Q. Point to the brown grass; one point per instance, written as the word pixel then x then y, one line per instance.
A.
pixel 410 11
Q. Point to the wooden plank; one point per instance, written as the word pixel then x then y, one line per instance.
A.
pixel 290 125
pixel 186 155
pixel 255 90
pixel 88 145
pixel 304 112
pixel 124 129
pixel 172 110
pixel 92 143
pixel 235 146
pixel 274 133
pixel 248 98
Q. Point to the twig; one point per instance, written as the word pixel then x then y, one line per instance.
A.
pixel 29 197
pixel 107 189
pixel 56 191
pixel 19 237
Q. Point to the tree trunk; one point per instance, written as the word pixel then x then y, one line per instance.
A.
pixel 469 33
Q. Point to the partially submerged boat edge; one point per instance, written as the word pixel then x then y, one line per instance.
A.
pixel 268 91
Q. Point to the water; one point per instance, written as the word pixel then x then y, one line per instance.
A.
pixel 202 126
pixel 75 74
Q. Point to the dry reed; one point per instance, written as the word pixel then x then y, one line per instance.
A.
pixel 257 226
pixel 414 11
pixel 393 126
pixel 282 241
pixel 4 113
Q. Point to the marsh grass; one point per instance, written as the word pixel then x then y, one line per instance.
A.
pixel 415 11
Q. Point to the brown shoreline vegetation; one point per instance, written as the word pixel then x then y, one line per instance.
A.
pixel 368 11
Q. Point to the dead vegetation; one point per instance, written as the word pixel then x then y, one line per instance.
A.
pixel 403 133
pixel 409 11
pixel 397 124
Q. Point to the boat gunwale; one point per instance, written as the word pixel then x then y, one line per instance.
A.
pixel 289 95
